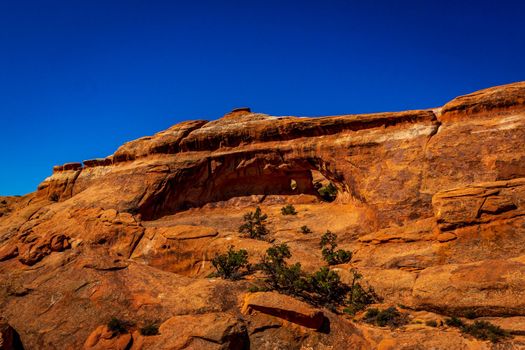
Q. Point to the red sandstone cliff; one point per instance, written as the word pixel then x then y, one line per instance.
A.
pixel 431 202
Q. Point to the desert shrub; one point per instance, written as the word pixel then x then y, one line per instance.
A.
pixel 330 254
pixel 279 275
pixel 328 193
pixel 305 229
pixel 431 323
pixel 326 288
pixel 288 210
pixel 254 224
pixel 117 326
pixel 485 331
pixel 454 322
pixel 390 317
pixel 149 329
pixel 257 288
pixel 228 265
pixel 322 288
pixel 358 297
pixel 470 314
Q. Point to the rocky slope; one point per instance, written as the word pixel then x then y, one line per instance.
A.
pixel 431 202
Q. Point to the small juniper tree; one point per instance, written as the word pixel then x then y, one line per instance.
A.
pixel 279 275
pixel 330 254
pixel 228 265
pixel 326 288
pixel 358 297
pixel 254 224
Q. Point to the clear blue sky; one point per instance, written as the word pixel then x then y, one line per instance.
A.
pixel 80 77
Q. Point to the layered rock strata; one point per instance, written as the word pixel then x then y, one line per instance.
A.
pixel 431 202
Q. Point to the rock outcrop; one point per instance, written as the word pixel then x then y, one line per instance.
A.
pixel 431 202
pixel 9 338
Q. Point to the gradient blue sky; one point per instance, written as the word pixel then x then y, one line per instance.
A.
pixel 80 77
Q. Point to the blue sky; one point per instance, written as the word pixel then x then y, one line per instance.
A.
pixel 80 77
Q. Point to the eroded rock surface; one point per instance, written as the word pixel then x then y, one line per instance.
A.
pixel 431 202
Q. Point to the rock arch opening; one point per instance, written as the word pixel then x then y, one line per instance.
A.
pixel 222 178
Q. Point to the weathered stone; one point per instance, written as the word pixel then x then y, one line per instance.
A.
pixel 285 307
pixel 182 232
pixel 8 252
pixel 102 339
pixel 430 202
pixel 490 287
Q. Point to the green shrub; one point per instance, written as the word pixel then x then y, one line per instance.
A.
pixel 479 329
pixel 485 331
pixel 305 229
pixel 328 193
pixel 255 288
pixel 431 323
pixel 358 297
pixel 322 288
pixel 150 329
pixel 280 276
pixel 228 265
pixel 470 314
pixel 330 254
pixel 254 224
pixel 326 288
pixel 288 210
pixel 390 317
pixel 117 326
pixel 454 322
pixel 371 314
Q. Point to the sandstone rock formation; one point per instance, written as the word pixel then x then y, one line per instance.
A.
pixel 9 338
pixel 431 203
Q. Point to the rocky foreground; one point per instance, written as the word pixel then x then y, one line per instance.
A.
pixel 430 202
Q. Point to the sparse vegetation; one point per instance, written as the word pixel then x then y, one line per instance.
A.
pixel 330 254
pixel 279 275
pixel 328 193
pixel 485 331
pixel 454 322
pixel 358 297
pixel 479 329
pixel 255 289
pixel 321 288
pixel 150 329
pixel 470 314
pixel 431 323
pixel 254 224
pixel 305 230
pixel 326 288
pixel 117 326
pixel 228 265
pixel 288 210
pixel 390 317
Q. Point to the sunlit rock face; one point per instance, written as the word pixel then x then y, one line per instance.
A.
pixel 431 202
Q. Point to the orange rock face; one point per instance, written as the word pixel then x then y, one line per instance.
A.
pixel 430 202
pixel 284 307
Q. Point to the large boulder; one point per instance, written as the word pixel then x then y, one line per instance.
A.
pixel 284 307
